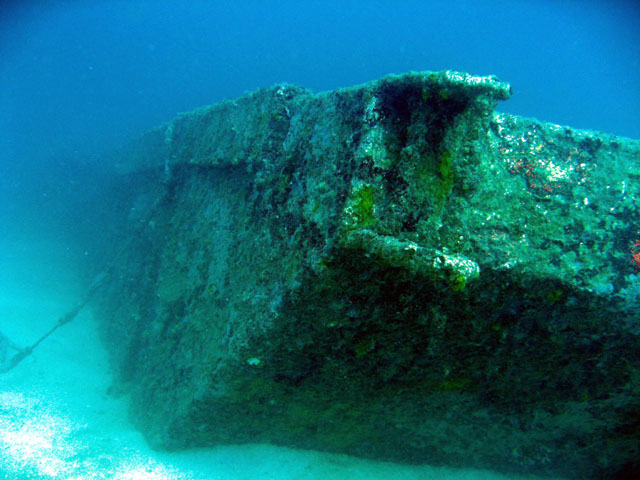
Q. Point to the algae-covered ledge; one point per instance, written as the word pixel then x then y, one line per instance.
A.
pixel 388 264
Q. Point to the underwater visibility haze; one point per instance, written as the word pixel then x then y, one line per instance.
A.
pixel 359 255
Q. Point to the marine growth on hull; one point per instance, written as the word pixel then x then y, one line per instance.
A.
pixel 392 270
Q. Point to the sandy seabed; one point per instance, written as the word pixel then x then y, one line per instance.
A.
pixel 58 422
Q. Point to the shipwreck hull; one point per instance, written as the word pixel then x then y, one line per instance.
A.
pixel 393 271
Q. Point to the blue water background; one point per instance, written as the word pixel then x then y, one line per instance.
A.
pixel 85 75
pixel 79 78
